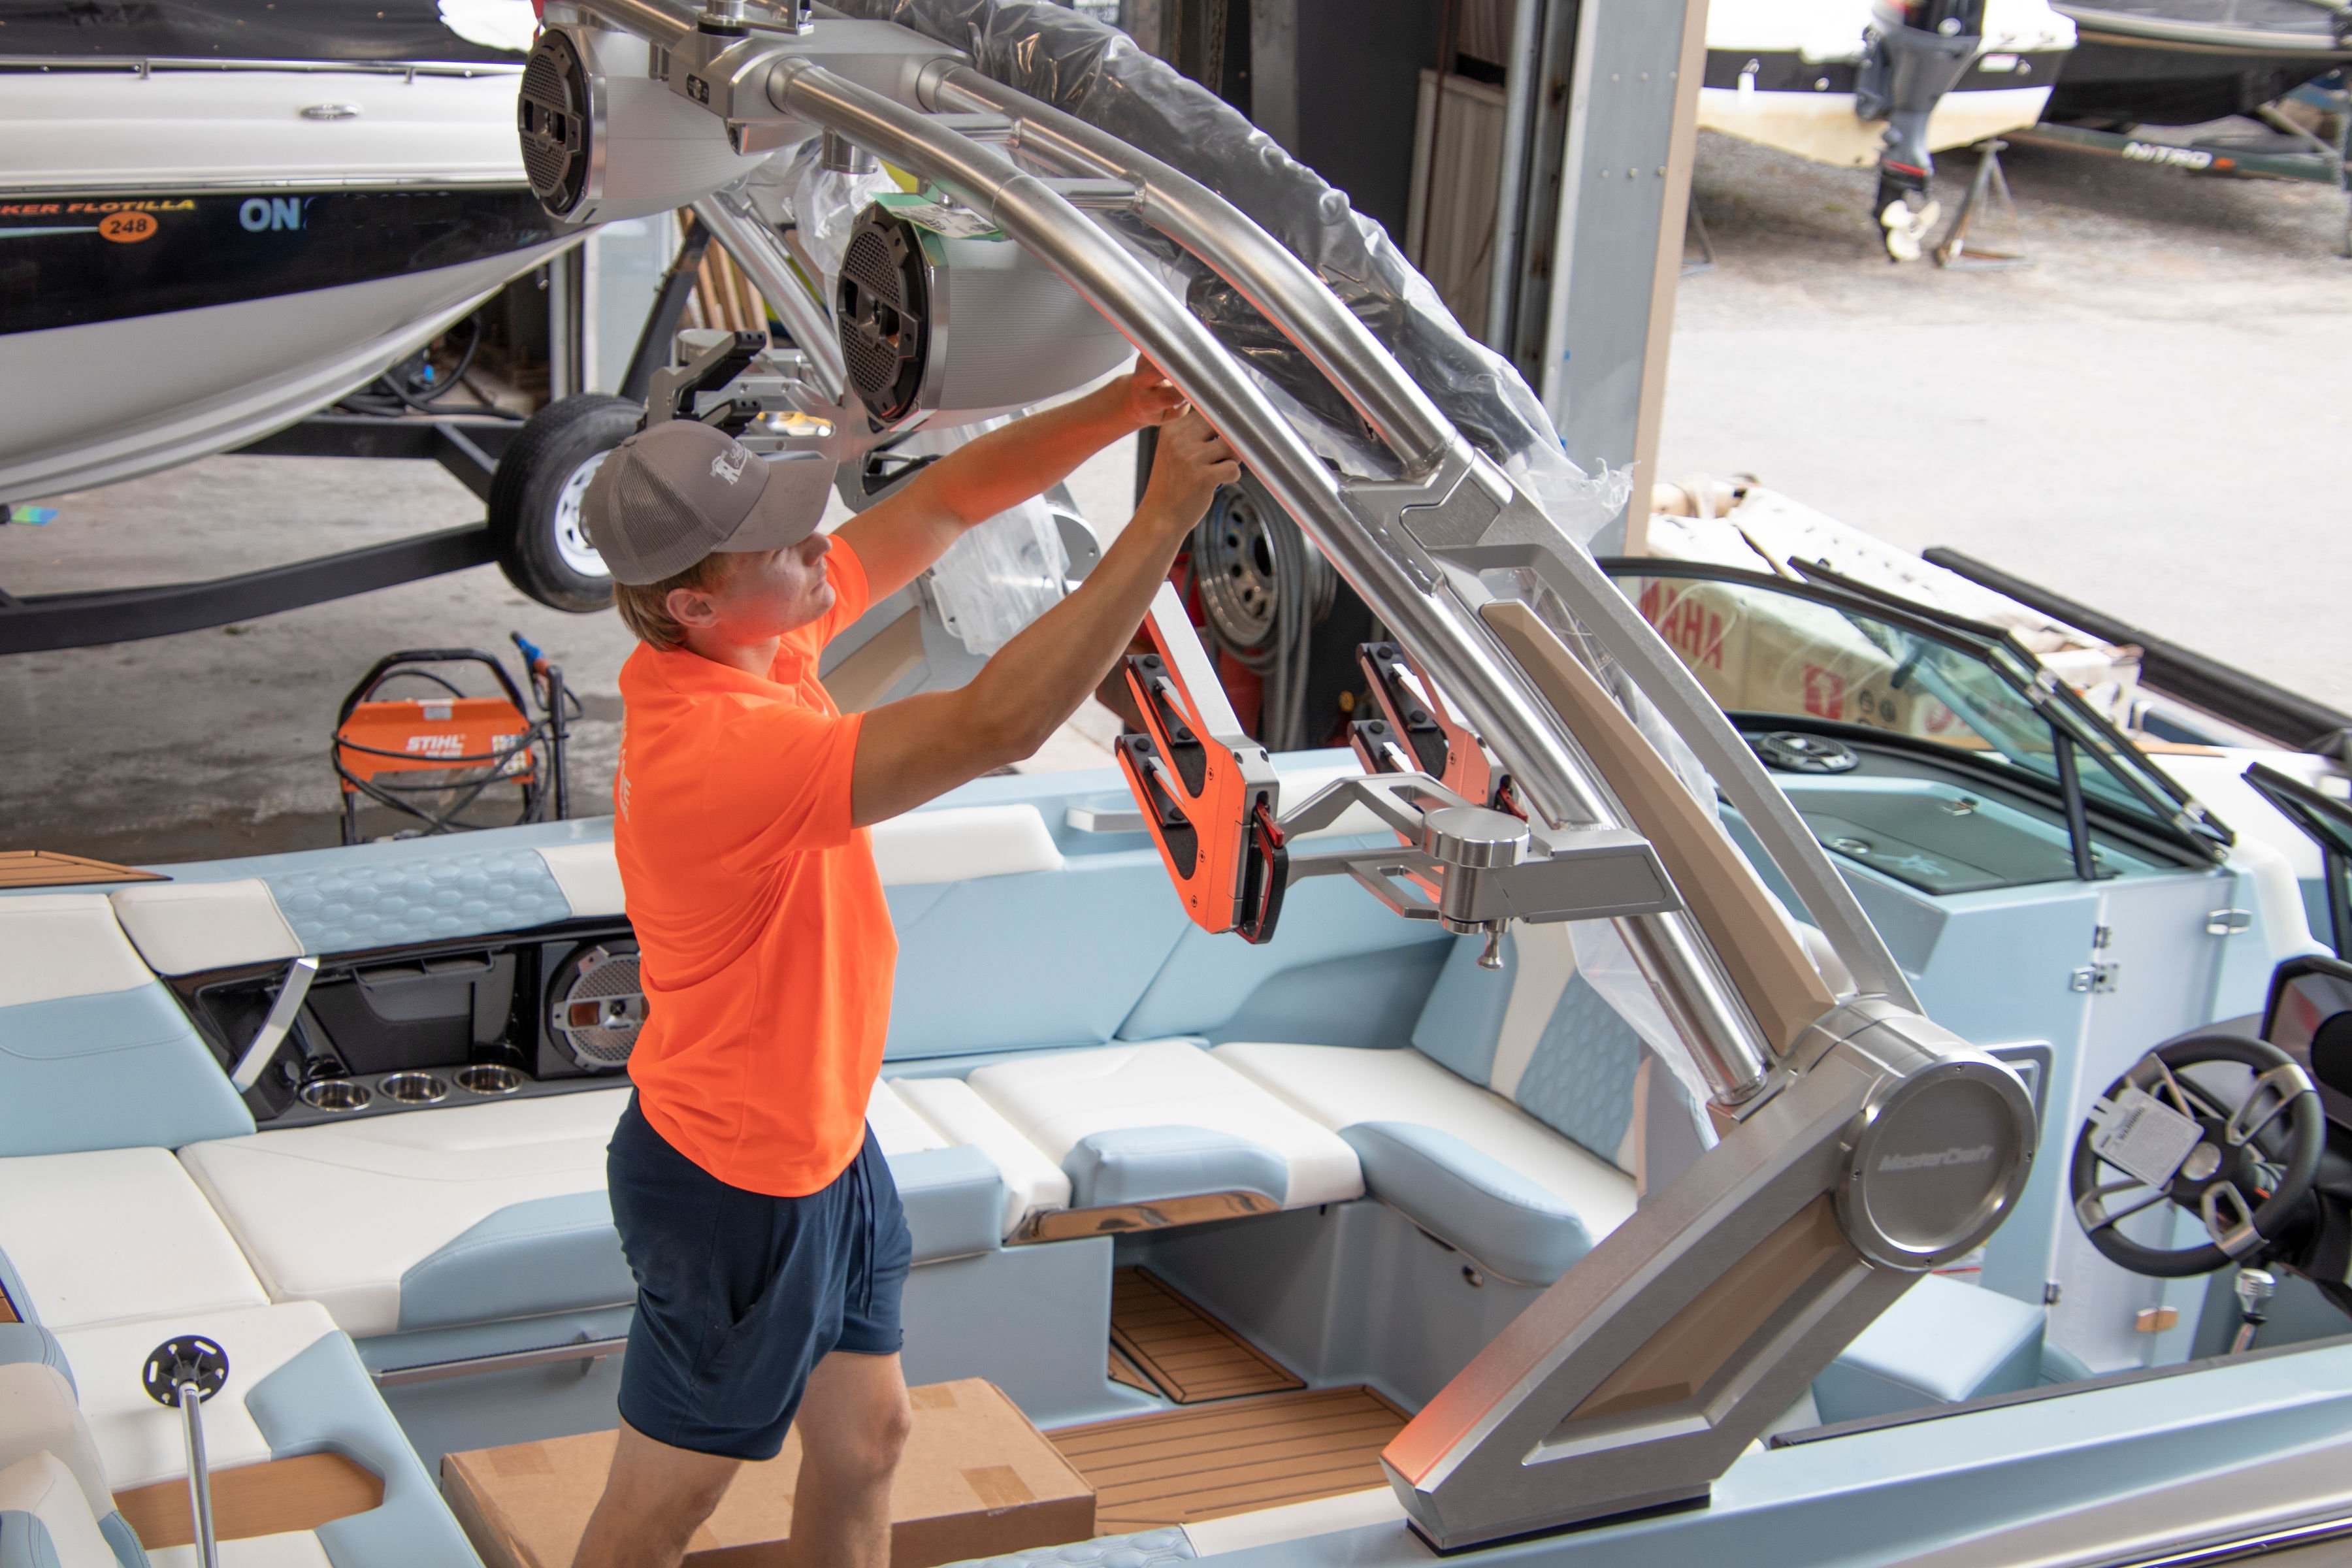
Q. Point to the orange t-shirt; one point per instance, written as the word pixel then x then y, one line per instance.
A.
pixel 767 950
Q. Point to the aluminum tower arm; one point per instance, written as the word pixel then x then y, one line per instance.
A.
pixel 1863 1144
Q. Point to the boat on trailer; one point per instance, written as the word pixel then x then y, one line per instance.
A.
pixel 1577 1135
pixel 1887 85
pixel 216 219
pixel 2184 62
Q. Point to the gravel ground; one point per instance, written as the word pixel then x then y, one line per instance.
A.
pixel 2146 420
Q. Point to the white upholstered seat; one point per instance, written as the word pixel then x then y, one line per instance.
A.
pixel 1032 1181
pixel 1341 1087
pixel 339 1214
pixel 1133 1123
pixel 116 1234
pixel 139 1440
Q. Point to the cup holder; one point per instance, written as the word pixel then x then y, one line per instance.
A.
pixel 489 1078
pixel 336 1094
pixel 412 1088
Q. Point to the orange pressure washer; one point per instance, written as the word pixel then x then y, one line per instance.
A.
pixel 432 757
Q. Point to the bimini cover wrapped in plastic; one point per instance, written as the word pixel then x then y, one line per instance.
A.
pixel 1098 74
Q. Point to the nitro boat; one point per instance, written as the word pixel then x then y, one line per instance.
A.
pixel 1885 86
pixel 2183 62
pixel 1565 1167
pixel 215 219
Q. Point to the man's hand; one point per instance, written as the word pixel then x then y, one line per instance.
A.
pixel 1191 461
pixel 1146 397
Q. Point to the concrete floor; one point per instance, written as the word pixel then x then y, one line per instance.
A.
pixel 2146 419
pixel 215 743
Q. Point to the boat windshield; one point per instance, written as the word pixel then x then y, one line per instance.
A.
pixel 1767 647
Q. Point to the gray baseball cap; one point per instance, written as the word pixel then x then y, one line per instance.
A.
pixel 680 490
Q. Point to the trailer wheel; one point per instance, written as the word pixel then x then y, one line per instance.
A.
pixel 535 498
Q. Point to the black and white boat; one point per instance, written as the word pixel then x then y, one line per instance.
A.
pixel 2184 62
pixel 216 218
pixel 1884 85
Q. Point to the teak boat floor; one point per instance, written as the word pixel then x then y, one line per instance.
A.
pixel 1256 1437
pixel 1152 1471
pixel 1187 1354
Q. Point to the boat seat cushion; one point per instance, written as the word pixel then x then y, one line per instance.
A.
pixel 1460 1161
pixel 138 1441
pixel 959 843
pixel 1033 1184
pixel 1941 1342
pixel 428 1217
pixel 29 1344
pixel 1538 1034
pixel 94 1052
pixel 1209 1129
pixel 40 1413
pixel 45 1519
pixel 295 1387
pixel 116 1234
pixel 187 928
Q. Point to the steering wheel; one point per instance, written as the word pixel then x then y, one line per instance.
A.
pixel 2173 1139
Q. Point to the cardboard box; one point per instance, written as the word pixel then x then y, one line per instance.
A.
pixel 1759 652
pixel 978 1481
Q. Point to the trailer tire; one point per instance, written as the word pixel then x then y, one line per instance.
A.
pixel 535 494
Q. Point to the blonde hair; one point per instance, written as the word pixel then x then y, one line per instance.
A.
pixel 645 607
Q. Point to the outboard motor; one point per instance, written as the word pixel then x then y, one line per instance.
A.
pixel 1918 51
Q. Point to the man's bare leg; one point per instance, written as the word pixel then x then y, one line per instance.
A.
pixel 853 1423
pixel 656 1497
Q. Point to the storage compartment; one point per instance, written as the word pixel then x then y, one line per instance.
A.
pixel 432 1025
pixel 427 1013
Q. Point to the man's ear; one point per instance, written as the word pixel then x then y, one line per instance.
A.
pixel 690 607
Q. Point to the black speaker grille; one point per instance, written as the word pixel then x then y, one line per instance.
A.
pixel 551 118
pixel 882 309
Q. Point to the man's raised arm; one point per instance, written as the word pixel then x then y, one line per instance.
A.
pixel 922 746
pixel 900 537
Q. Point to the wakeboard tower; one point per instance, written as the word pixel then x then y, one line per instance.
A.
pixel 1861 1145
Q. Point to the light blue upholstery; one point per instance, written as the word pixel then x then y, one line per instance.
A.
pixel 1941 1342
pixel 412 890
pixel 114 1070
pixel 1467 1198
pixel 12 1285
pixel 341 908
pixel 954 1201
pixel 1151 1549
pixel 547 1255
pixel 1078 946
pixel 1580 1081
pixel 21 1342
pixel 1226 989
pixel 119 1534
pixel 1463 1018
pixel 24 1542
pixel 1578 1078
pixel 1149 1164
pixel 322 1400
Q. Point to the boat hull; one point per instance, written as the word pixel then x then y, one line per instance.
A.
pixel 99 385
pixel 1818 121
pixel 2126 72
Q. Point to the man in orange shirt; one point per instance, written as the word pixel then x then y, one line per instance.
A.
pixel 754 1207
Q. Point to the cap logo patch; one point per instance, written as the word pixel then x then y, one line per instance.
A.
pixel 730 464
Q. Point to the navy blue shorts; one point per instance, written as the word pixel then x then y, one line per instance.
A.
pixel 739 1295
